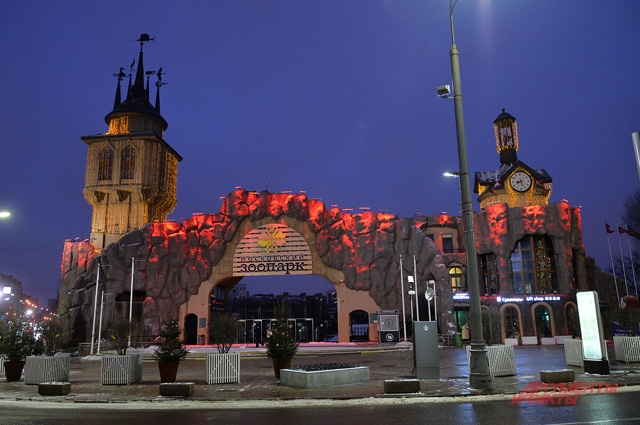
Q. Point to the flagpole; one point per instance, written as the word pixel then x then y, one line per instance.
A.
pixel 633 269
pixel 624 274
pixel 613 267
pixel 415 279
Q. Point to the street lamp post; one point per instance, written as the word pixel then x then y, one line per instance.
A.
pixel 479 374
pixel 95 307
pixel 100 325
pixel 133 262
pixel 404 319
pixel 411 294
pixel 415 279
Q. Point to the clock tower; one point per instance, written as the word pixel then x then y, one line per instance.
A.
pixel 514 182
pixel 132 171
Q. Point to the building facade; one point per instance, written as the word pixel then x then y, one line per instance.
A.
pixel 531 256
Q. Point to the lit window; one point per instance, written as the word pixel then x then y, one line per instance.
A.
pixel 161 169
pixel 105 164
pixel 455 276
pixel 490 277
pixel 534 267
pixel 127 163
pixel 511 322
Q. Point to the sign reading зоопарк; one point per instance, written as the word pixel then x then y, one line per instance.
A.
pixel 272 249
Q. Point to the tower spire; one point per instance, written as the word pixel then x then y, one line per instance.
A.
pixel 159 84
pixel 118 98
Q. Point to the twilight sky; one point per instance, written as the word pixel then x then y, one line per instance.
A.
pixel 336 98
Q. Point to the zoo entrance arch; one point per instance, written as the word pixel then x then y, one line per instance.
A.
pixel 277 247
pixel 178 264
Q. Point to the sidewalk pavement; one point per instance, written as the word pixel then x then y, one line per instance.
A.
pixel 258 382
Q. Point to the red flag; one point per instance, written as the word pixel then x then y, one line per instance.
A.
pixel 609 230
pixel 622 230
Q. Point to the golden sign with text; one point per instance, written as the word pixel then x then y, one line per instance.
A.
pixel 272 249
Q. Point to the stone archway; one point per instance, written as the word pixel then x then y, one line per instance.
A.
pixel 177 264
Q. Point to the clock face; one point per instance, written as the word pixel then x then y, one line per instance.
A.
pixel 520 181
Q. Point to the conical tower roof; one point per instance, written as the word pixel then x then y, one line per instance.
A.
pixel 137 100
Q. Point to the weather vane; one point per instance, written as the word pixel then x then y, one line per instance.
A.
pixel 159 83
pixel 120 74
pixel 145 37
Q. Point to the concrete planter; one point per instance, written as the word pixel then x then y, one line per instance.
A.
pixel 121 370
pixel 223 368
pixel 323 378
pixel 511 341
pixel 627 348
pixel 560 339
pixel 547 341
pixel 40 369
pixel 573 352
pixel 529 340
pixel 502 360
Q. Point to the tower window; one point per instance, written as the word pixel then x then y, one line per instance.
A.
pixel 534 266
pixel 162 169
pixel 490 276
pixel 127 163
pixel 105 164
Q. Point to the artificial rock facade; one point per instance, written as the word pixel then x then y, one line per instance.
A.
pixel 359 251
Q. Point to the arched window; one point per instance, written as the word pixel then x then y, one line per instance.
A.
pixel 543 322
pixel 161 169
pixel 572 319
pixel 457 283
pixel 105 164
pixel 511 322
pixel 490 276
pixel 127 163
pixel 534 266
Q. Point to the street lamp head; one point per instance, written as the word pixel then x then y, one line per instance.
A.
pixel 451 174
pixel 5 214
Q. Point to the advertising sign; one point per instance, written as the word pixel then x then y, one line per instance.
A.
pixel 593 344
pixel 272 249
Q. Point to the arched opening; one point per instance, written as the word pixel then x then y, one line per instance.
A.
pixel 359 320
pixel 511 322
pixel 572 319
pixel 252 300
pixel 542 321
pixel 191 329
pixel 122 308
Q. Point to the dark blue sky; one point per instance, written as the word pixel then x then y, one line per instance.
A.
pixel 336 98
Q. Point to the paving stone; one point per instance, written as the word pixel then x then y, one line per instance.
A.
pixel 54 388
pixel 563 375
pixel 177 389
pixel 396 386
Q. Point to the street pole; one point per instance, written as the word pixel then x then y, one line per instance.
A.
pixel 133 262
pixel 411 293
pixel 404 318
pixel 95 307
pixel 100 326
pixel 635 137
pixel 479 375
pixel 415 279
